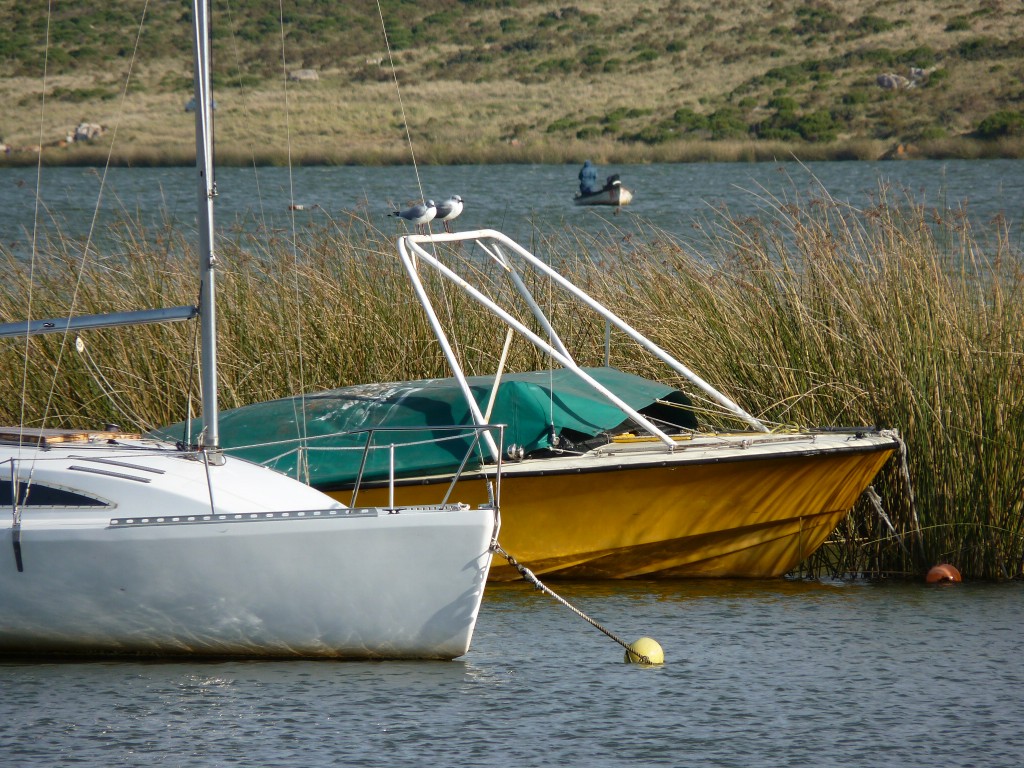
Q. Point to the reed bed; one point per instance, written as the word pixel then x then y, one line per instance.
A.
pixel 455 150
pixel 821 314
pixel 813 313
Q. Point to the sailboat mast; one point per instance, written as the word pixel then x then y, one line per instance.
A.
pixel 206 191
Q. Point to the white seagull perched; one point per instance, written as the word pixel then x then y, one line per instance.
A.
pixel 419 215
pixel 448 210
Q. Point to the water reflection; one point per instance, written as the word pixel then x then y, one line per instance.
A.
pixel 758 673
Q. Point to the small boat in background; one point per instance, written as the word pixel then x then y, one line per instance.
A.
pixel 612 193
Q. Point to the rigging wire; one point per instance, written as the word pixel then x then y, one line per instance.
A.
pixel 92 225
pixel 262 217
pixel 447 302
pixel 300 418
pixel 15 493
pixel 401 103
pixel 37 203
pixel 300 412
pixel 106 385
pixel 240 85
pixel 96 210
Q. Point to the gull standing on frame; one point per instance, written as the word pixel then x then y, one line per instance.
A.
pixel 448 210
pixel 419 215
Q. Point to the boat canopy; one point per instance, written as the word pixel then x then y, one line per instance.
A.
pixel 542 411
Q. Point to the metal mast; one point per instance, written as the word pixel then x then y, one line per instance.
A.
pixel 206 192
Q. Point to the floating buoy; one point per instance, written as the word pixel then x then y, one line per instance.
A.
pixel 943 574
pixel 644 651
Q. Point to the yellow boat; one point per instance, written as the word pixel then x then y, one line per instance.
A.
pixel 739 505
pixel 603 474
pixel 736 505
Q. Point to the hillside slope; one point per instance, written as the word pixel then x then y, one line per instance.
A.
pixel 530 80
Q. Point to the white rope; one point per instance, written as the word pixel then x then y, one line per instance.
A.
pixel 104 385
pixel 905 471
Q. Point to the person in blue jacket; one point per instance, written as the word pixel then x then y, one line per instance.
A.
pixel 588 178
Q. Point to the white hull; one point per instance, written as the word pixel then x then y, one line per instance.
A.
pixel 616 195
pixel 159 571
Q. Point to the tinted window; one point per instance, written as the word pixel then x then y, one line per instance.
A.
pixel 45 496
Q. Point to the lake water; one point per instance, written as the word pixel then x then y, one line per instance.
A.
pixel 777 673
pixel 521 200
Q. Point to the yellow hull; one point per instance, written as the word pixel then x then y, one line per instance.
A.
pixel 747 518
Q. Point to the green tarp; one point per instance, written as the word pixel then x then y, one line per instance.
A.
pixel 534 406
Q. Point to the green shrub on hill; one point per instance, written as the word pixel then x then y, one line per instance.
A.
pixel 1003 123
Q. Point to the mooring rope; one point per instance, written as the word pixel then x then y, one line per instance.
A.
pixel 876 502
pixel 529 576
pixel 905 471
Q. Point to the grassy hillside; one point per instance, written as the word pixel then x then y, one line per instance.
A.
pixel 533 80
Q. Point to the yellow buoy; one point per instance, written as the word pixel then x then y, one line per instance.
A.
pixel 645 651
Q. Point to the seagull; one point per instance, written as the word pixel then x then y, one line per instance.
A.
pixel 418 215
pixel 449 209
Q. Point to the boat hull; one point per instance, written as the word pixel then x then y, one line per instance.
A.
pixel 614 195
pixel 268 589
pixel 142 575
pixel 744 513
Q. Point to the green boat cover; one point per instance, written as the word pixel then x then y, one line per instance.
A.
pixel 542 410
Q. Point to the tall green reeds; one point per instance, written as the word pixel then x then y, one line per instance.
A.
pixel 813 313
pixel 817 313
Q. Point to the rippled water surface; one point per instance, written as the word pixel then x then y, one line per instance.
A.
pixel 521 200
pixel 771 673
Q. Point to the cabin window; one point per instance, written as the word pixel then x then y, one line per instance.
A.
pixel 37 495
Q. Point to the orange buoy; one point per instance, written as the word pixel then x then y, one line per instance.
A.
pixel 943 574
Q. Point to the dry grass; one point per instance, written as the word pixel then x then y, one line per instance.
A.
pixel 483 84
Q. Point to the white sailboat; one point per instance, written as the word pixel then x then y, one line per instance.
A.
pixel 113 544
